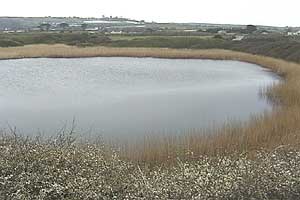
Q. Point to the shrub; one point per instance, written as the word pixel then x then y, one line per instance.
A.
pixel 9 43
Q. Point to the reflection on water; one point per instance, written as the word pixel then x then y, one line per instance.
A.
pixel 121 96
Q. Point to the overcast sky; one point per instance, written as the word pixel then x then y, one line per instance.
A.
pixel 258 12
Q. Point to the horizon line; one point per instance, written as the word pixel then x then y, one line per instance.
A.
pixel 170 22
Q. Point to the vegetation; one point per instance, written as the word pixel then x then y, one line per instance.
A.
pixel 84 26
pixel 287 48
pixel 76 38
pixel 63 26
pixel 169 42
pixel 45 26
pixel 251 28
pixel 60 169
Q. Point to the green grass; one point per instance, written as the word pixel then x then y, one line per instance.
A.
pixel 76 38
pixel 167 42
pixel 133 37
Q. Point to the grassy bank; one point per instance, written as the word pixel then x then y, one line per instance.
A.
pixel 278 46
pixel 68 38
pixel 265 131
pixel 287 48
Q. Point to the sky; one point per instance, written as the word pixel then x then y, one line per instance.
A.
pixel 258 12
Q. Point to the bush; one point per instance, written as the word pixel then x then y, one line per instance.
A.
pixel 79 39
pixel 218 36
pixel 9 43
pixel 61 169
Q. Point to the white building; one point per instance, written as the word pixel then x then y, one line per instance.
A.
pixel 294 33
pixel 238 38
pixel 222 32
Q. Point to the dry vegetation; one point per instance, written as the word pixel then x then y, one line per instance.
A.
pixel 59 169
pixel 225 164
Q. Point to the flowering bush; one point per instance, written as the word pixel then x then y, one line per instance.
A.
pixel 63 170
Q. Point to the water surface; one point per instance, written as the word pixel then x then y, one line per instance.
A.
pixel 128 96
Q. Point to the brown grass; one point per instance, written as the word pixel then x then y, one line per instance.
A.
pixel 281 127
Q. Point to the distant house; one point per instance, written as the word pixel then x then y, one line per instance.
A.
pixel 8 31
pixel 294 33
pixel 116 32
pixel 222 32
pixel 190 30
pixel 238 38
pixel 92 29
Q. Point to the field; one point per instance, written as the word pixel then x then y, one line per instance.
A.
pixel 278 46
pixel 142 37
pixel 79 39
pixel 258 159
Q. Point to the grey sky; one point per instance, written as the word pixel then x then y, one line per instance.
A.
pixel 259 12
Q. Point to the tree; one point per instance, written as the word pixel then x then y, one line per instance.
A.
pixel 84 26
pixel 251 28
pixel 63 25
pixel 45 26
pixel 218 36
pixel 149 30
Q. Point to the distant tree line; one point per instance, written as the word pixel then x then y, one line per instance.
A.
pixel 63 26
pixel 247 30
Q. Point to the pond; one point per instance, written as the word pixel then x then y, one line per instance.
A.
pixel 121 96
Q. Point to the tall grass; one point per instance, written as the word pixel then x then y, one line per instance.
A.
pixel 281 127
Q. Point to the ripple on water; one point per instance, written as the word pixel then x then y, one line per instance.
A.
pixel 121 96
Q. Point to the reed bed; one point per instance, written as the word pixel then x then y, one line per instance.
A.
pixel 268 131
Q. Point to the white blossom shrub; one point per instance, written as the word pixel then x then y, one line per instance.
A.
pixel 63 170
